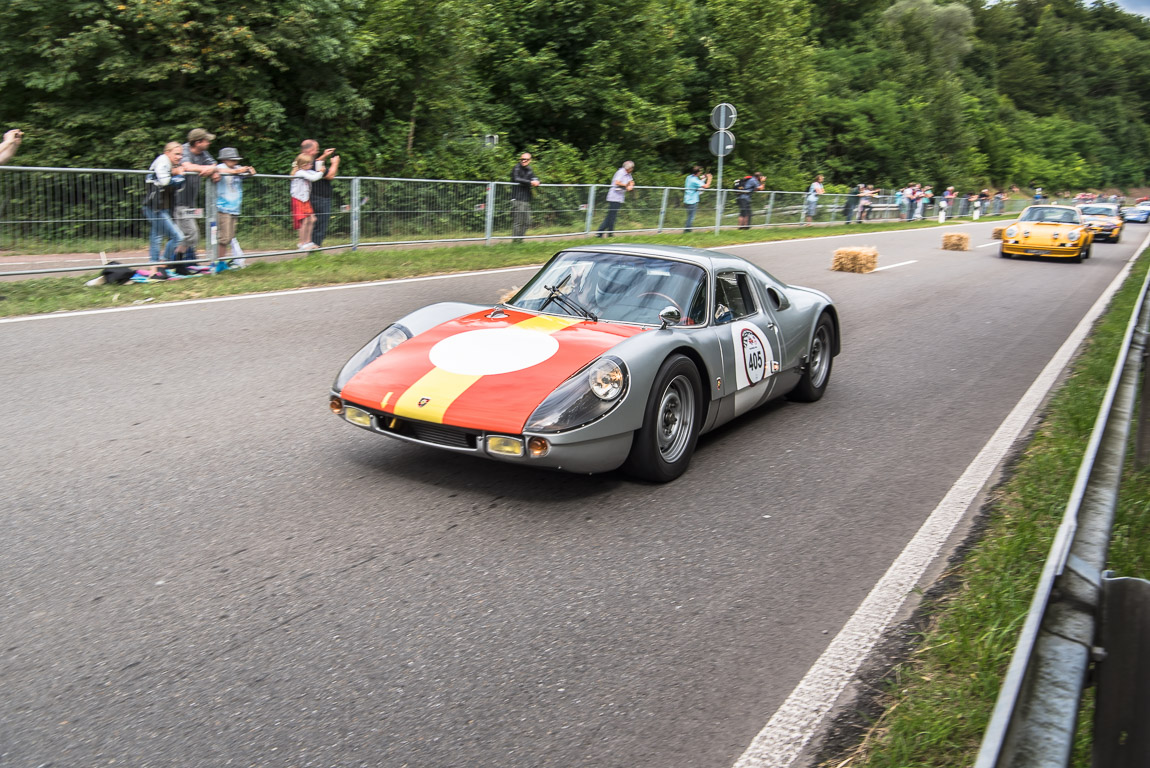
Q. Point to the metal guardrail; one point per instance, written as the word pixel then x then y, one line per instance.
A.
pixel 59 211
pixel 1034 718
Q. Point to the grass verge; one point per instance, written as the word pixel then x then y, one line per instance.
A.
pixel 35 296
pixel 934 706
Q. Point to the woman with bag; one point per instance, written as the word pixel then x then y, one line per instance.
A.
pixel 165 177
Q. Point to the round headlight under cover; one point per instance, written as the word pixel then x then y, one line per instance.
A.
pixel 606 378
pixel 1074 235
pixel 1011 232
pixel 389 339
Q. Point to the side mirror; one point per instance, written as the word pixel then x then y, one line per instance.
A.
pixel 669 316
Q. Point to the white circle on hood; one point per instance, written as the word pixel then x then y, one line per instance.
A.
pixel 493 350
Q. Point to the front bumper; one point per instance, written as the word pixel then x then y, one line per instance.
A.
pixel 1016 248
pixel 1105 230
pixel 568 451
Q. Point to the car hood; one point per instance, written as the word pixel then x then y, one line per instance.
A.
pixel 1091 218
pixel 488 370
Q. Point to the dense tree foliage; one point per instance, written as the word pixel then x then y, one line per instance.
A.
pixel 965 92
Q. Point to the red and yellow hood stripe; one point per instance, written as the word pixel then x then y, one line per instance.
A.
pixel 406 383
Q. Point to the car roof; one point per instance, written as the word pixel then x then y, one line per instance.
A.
pixel 703 258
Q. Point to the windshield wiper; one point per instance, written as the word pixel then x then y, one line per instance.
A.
pixel 554 294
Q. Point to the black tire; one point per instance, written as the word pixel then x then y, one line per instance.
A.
pixel 1117 238
pixel 663 446
pixel 820 360
pixel 1082 255
pixel 1002 254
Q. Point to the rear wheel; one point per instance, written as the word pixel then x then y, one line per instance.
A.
pixel 819 361
pixel 664 445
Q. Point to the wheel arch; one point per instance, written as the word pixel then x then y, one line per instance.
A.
pixel 833 313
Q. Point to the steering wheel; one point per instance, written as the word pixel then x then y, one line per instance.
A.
pixel 673 303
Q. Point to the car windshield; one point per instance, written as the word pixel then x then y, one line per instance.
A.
pixel 1099 210
pixel 1050 215
pixel 623 288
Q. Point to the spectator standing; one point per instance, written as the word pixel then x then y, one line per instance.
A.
pixel 925 195
pixel 812 203
pixel 197 162
pixel 621 183
pixel 999 201
pixel 865 196
pixel 321 197
pixel 229 195
pixel 905 200
pixel 983 202
pixel 745 187
pixel 165 177
pixel 947 203
pixel 303 217
pixel 523 184
pixel 696 180
pixel 852 202
pixel 10 144
pixel 1038 194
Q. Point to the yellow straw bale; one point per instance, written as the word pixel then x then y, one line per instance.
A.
pixel 956 241
pixel 863 259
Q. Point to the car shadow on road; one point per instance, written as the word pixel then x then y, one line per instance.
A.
pixel 459 472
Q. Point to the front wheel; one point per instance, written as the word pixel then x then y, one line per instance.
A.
pixel 817 372
pixel 664 445
pixel 1002 253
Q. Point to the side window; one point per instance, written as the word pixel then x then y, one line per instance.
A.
pixel 734 298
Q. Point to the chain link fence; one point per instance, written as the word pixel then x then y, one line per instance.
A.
pixel 58 211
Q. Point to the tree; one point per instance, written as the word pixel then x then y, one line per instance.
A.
pixel 107 83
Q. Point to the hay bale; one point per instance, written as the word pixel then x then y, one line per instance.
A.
pixel 863 259
pixel 956 241
pixel 997 233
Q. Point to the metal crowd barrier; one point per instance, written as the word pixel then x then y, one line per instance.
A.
pixel 60 211
pixel 1080 614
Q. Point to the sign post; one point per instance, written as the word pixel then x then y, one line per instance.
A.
pixel 722 142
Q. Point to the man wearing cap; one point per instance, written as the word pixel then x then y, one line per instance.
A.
pixel 197 162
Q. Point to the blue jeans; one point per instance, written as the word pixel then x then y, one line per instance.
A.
pixel 691 208
pixel 162 225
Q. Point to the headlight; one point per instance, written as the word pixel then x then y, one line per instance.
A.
pixel 1074 235
pixel 606 378
pixel 1011 232
pixel 588 395
pixel 392 337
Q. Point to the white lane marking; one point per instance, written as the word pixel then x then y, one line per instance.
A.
pixel 273 294
pixel 782 739
pixel 892 266
pixel 987 245
pixel 833 237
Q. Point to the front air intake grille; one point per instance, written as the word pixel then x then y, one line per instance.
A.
pixel 438 434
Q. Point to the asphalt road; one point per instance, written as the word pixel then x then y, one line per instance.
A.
pixel 202 567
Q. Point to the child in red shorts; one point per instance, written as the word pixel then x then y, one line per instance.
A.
pixel 302 216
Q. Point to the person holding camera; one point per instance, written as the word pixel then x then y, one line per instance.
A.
pixel 695 181
pixel 10 144
pixel 321 196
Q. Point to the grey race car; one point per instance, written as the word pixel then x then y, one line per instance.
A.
pixel 610 356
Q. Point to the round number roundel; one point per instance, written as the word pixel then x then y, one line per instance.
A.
pixel 754 356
